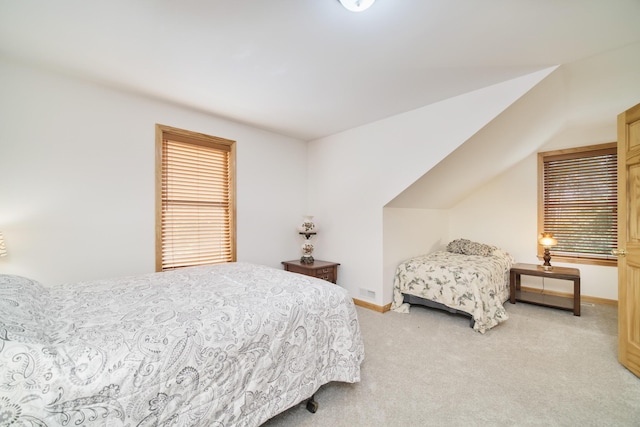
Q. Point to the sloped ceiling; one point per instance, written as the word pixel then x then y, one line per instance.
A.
pixel 309 68
pixel 585 94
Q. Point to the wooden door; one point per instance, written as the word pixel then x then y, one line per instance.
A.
pixel 629 239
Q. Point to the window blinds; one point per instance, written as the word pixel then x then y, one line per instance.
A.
pixel 581 203
pixel 196 211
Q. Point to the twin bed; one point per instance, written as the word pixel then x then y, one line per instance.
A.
pixel 223 345
pixel 468 278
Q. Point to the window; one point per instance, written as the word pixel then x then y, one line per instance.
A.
pixel 578 203
pixel 195 199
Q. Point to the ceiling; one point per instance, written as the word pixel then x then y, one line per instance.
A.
pixel 309 68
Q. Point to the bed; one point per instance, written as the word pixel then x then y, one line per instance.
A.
pixel 467 278
pixel 224 345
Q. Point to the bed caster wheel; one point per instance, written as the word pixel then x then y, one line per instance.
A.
pixel 312 405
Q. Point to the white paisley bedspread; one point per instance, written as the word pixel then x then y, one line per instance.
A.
pixel 225 345
pixel 474 284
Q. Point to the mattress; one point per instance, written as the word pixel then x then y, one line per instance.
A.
pixel 474 284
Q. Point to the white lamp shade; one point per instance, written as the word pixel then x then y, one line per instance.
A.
pixel 357 5
pixel 547 240
pixel 308 226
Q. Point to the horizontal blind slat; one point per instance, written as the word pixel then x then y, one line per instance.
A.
pixel 580 202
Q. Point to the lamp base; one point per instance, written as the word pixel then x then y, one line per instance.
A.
pixel 306 259
pixel 547 259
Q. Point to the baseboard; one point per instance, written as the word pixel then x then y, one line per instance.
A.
pixel 370 306
pixel 583 298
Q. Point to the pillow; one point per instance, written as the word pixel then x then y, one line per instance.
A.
pixel 475 248
pixel 21 308
pixel 501 253
pixel 457 246
pixel 467 247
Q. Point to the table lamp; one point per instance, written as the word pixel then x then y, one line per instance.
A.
pixel 547 240
pixel 307 229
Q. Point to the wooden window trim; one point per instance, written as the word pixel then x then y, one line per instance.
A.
pixel 181 135
pixel 559 155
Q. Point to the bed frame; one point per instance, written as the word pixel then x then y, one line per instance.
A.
pixel 414 300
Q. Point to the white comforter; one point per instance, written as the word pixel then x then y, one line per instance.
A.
pixel 474 284
pixel 225 345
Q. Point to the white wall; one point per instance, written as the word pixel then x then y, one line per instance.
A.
pixel 409 233
pixel 77 179
pixel 354 174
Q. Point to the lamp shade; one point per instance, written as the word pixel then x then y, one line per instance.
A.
pixel 3 248
pixel 307 226
pixel 356 5
pixel 547 240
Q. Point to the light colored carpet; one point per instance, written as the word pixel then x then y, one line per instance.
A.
pixel 542 367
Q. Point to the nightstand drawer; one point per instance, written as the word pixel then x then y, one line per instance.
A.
pixel 325 273
pixel 321 269
pixel 298 269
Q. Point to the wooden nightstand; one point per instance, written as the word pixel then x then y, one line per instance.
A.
pixel 321 269
pixel 555 301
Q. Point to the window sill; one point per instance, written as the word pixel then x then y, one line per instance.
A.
pixel 581 260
